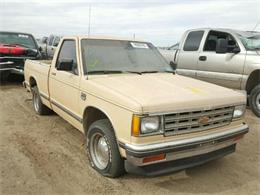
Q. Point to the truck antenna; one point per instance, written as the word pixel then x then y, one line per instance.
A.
pixel 256 25
pixel 89 17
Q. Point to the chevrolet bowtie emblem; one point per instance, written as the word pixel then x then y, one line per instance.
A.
pixel 203 120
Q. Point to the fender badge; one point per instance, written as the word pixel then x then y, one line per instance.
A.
pixel 83 96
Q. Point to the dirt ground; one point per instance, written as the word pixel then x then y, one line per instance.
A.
pixel 45 155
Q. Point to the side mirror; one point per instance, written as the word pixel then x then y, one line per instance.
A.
pixel 236 50
pixel 222 46
pixel 173 65
pixel 40 49
pixel 44 40
pixel 65 65
pixel 55 44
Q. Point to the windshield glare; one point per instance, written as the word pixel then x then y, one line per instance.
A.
pixel 23 40
pixel 251 42
pixel 116 55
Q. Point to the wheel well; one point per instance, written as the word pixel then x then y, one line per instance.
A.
pixel 253 80
pixel 32 82
pixel 92 114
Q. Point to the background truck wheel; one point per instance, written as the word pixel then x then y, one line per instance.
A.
pixel 38 106
pixel 254 100
pixel 103 151
pixel 4 75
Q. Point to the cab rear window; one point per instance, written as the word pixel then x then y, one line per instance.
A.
pixel 193 40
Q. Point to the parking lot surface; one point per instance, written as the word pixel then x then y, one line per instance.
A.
pixel 46 155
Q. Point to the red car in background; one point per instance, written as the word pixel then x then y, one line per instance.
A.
pixel 15 48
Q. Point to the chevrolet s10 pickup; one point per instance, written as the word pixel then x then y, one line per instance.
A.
pixel 137 115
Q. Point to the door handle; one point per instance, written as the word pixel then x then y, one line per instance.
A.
pixel 53 73
pixel 203 58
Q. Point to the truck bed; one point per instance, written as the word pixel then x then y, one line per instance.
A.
pixel 38 70
pixel 44 61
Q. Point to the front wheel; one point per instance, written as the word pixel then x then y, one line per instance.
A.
pixel 254 100
pixel 103 151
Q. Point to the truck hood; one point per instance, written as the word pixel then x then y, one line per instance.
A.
pixel 161 92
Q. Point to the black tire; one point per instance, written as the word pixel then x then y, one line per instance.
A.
pixel 115 163
pixel 38 106
pixel 254 100
pixel 4 76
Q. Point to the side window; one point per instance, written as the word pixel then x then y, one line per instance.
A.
pixel 68 52
pixel 213 36
pixel 193 40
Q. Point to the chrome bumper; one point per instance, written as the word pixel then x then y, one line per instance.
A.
pixel 13 70
pixel 184 148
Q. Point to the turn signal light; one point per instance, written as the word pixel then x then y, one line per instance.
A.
pixel 135 126
pixel 154 158
pixel 238 137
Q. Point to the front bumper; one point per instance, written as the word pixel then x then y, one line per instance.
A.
pixel 184 149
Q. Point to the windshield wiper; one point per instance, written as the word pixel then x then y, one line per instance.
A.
pixel 134 72
pixel 111 72
pixel 143 72
pixel 105 72
pixel 168 71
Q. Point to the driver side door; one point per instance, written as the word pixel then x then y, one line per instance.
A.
pixel 64 85
pixel 225 69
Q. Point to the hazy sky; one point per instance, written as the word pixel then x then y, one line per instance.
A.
pixel 161 22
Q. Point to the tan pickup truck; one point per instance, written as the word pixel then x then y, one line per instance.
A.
pixel 137 115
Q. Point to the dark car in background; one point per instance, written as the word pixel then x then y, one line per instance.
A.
pixel 15 48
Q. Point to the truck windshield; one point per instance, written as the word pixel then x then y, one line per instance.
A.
pixel 19 39
pixel 116 56
pixel 251 42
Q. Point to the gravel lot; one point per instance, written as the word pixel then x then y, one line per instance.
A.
pixel 45 155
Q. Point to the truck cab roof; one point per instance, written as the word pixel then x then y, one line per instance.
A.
pixel 228 30
pixel 103 37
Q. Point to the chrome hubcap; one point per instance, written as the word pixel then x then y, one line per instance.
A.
pixel 258 101
pixel 99 150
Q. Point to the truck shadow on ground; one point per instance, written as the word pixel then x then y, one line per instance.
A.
pixel 12 80
pixel 213 177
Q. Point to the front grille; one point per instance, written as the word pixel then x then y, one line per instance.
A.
pixel 187 122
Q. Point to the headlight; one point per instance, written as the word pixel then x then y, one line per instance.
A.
pixel 150 124
pixel 145 125
pixel 239 111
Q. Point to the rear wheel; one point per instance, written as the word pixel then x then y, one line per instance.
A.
pixel 103 151
pixel 254 100
pixel 38 106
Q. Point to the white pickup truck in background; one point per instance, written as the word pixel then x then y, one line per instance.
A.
pixel 225 57
pixel 48 45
